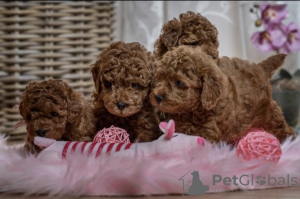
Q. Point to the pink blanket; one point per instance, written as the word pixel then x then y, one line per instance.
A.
pixel 211 169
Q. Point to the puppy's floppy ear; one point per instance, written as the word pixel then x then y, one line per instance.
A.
pixel 168 38
pixel 74 103
pixel 159 48
pixel 153 67
pixel 152 64
pixel 24 103
pixel 213 87
pixel 95 74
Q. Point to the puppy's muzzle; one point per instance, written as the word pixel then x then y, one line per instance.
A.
pixel 159 98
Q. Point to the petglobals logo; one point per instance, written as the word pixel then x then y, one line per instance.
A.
pixel 259 180
pixel 192 185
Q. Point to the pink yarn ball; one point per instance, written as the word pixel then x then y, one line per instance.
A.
pixel 259 144
pixel 112 135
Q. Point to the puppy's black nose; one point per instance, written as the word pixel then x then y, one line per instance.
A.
pixel 41 132
pixel 159 98
pixel 121 105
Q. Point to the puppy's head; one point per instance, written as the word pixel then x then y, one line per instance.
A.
pixel 48 107
pixel 187 80
pixel 190 29
pixel 122 75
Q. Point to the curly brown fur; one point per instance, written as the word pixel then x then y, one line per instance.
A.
pixel 123 75
pixel 221 100
pixel 52 109
pixel 190 29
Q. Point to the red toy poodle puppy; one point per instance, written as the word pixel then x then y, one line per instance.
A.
pixel 221 100
pixel 123 75
pixel 52 109
pixel 190 29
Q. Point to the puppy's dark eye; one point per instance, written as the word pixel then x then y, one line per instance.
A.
pixel 107 84
pixel 135 85
pixel 196 43
pixel 54 114
pixel 213 57
pixel 179 84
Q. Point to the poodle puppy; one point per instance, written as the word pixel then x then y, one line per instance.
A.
pixel 190 29
pixel 52 109
pixel 123 75
pixel 220 100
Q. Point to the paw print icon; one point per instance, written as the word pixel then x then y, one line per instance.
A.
pixel 261 180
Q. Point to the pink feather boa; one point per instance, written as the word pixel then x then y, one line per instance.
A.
pixel 118 175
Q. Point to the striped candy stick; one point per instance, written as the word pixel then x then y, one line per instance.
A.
pixel 90 149
pixel 93 149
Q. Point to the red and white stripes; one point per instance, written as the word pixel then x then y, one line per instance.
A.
pixel 93 149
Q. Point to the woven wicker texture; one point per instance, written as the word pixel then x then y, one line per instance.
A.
pixel 48 39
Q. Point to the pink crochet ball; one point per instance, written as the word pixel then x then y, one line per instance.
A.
pixel 259 144
pixel 112 135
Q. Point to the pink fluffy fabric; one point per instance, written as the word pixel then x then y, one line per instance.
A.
pixel 116 175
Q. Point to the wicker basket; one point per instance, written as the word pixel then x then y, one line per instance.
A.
pixel 48 39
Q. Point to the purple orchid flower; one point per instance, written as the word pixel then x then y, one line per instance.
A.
pixel 271 39
pixel 262 41
pixel 273 14
pixel 293 38
pixel 276 36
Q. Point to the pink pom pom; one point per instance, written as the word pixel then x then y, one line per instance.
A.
pixel 112 135
pixel 259 144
